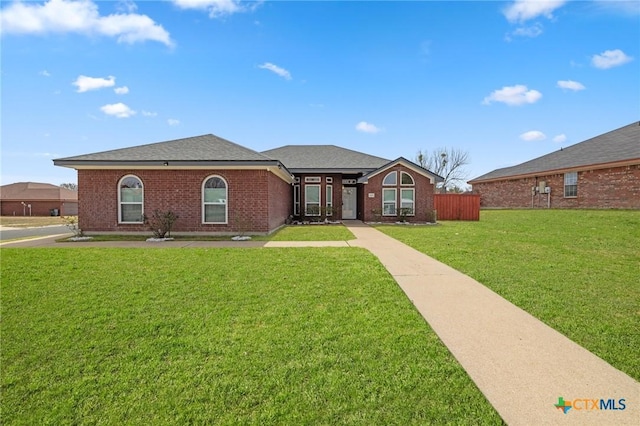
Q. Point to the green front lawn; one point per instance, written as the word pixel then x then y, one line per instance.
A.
pixel 224 336
pixel 576 270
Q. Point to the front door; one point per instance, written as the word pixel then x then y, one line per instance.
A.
pixel 349 203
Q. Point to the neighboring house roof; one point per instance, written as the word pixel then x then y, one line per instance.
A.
pixel 324 159
pixel 35 191
pixel 620 146
pixel 206 151
pixel 408 164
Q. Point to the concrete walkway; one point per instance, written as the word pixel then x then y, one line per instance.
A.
pixel 521 365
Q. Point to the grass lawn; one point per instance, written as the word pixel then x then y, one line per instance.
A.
pixel 225 336
pixel 576 270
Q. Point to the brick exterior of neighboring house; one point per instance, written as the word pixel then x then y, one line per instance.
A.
pixel 216 186
pixel 37 199
pixel 602 172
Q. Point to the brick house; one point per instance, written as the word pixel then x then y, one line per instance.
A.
pixel 217 186
pixel 601 172
pixel 37 199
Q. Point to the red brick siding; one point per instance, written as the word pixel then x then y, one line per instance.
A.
pixel 617 187
pixel 280 201
pixel 424 191
pixel 38 208
pixel 180 191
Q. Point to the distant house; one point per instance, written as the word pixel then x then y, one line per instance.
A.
pixel 602 172
pixel 37 199
pixel 217 186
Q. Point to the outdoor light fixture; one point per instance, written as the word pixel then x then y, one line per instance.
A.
pixel 166 163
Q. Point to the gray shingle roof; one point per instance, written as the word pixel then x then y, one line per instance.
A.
pixel 622 144
pixel 198 148
pixel 324 157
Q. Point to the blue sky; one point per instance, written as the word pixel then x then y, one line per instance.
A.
pixel 506 81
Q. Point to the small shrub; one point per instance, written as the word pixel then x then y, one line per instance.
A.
pixel 160 223
pixel 71 222
pixel 377 214
pixel 403 213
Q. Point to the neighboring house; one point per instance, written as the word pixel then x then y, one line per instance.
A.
pixel 602 172
pixel 215 185
pixel 37 199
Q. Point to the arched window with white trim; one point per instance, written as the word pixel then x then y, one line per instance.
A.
pixel 214 200
pixel 406 179
pixel 391 179
pixel 130 200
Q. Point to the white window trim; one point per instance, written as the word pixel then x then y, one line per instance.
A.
pixel 226 203
pixel 296 200
pixel 306 203
pixel 413 190
pixel 329 179
pixel 329 200
pixel 413 181
pixel 395 201
pixel 570 184
pixel 312 179
pixel 395 173
pixel 120 202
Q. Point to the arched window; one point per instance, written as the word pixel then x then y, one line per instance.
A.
pixel 390 179
pixel 130 200
pixel 406 179
pixel 214 200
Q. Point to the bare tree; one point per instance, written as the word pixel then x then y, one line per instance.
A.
pixel 446 162
pixel 69 185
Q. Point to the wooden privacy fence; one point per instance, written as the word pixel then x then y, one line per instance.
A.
pixel 457 206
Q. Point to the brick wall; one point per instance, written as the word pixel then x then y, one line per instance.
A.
pixel 38 208
pixel 424 191
pixel 280 201
pixel 617 187
pixel 248 202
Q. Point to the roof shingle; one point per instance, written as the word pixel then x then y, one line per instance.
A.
pixel 324 157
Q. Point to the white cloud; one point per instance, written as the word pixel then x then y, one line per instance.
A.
pixel 365 127
pixel 531 31
pixel 126 6
pixel 533 135
pixel 560 138
pixel 218 8
pixel 610 59
pixel 119 110
pixel 524 10
pixel 121 90
pixel 45 73
pixel 85 83
pixel 276 69
pixel 173 122
pixel 149 113
pixel 570 85
pixel 81 16
pixel 513 95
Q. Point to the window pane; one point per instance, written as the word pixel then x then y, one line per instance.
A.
pixel 131 182
pixel 329 195
pixel 406 196
pixel 406 179
pixel 312 194
pixel 215 195
pixel 215 182
pixel 131 195
pixel 131 212
pixel 390 179
pixel 389 195
pixel 215 213
pixel 389 209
